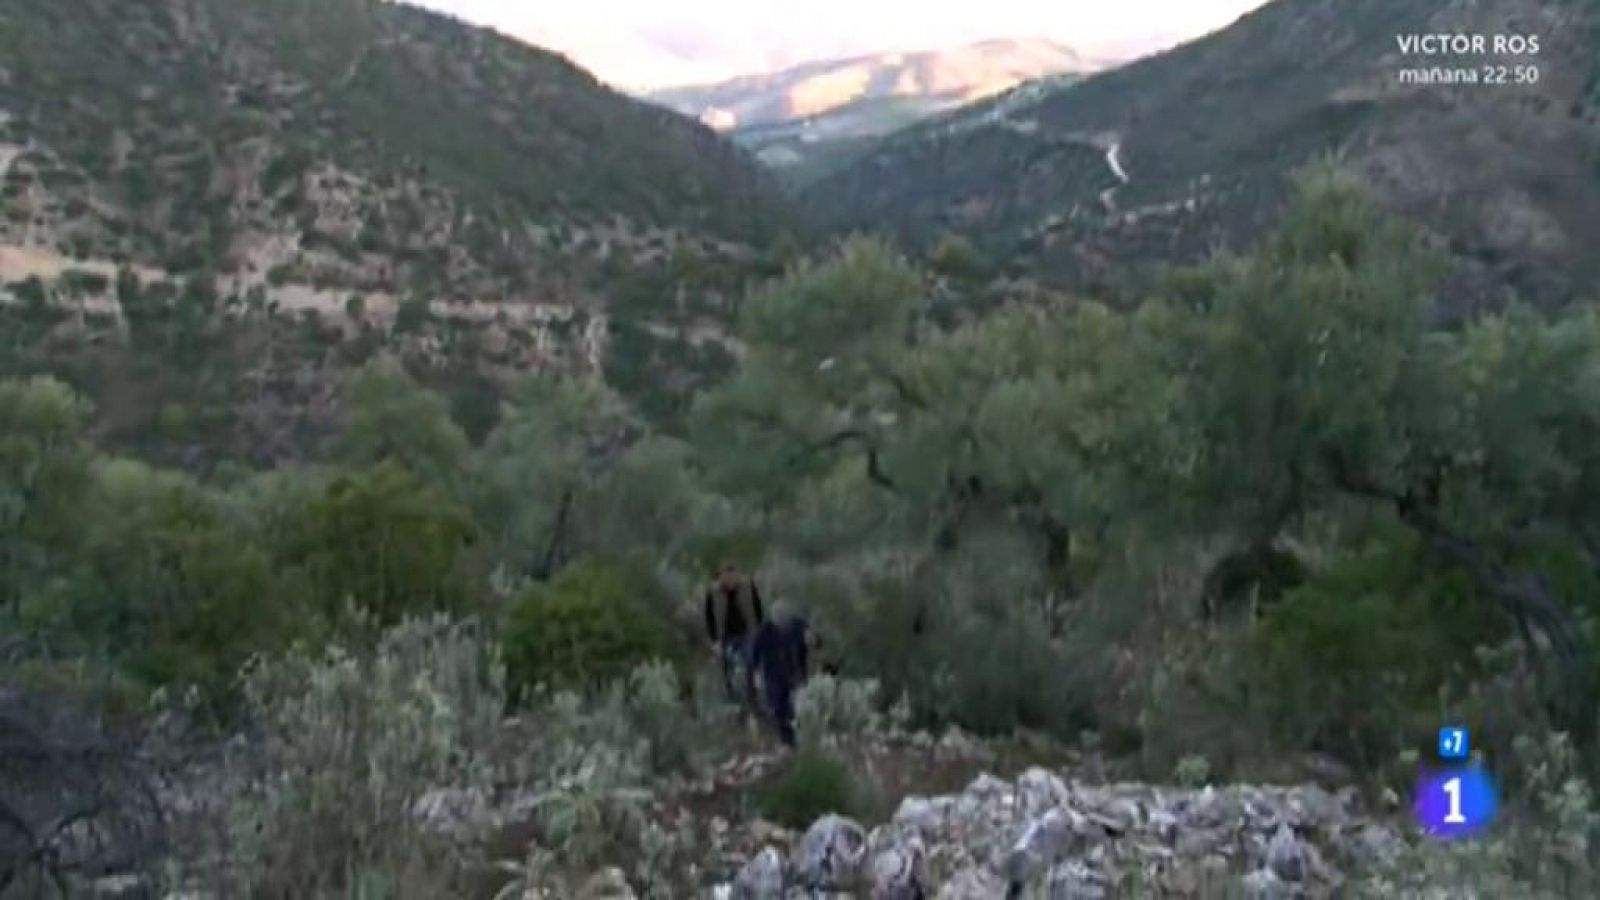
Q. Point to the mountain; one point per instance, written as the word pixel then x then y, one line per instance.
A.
pixel 1179 154
pixel 213 207
pixel 803 119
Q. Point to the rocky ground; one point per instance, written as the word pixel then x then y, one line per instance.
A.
pixel 1042 836
pixel 1056 830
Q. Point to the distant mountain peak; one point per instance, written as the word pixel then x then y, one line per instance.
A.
pixel 788 116
pixel 816 88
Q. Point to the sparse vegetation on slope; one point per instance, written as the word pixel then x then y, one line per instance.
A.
pixel 218 205
pixel 1273 524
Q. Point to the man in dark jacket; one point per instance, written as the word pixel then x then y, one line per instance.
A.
pixel 782 654
pixel 733 613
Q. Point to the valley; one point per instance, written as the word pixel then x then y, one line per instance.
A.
pixel 997 469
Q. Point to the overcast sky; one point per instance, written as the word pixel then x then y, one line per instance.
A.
pixel 655 43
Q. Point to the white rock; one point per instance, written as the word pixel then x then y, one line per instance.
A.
pixel 921 815
pixel 1044 841
pixel 899 872
pixel 1285 857
pixel 987 787
pixel 831 854
pixel 762 878
pixel 1074 880
pixel 973 883
pixel 457 813
pixel 1038 791
pixel 1263 885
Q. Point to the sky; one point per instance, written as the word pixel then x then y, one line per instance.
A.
pixel 636 44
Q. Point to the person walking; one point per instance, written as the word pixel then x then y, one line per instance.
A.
pixel 733 615
pixel 781 653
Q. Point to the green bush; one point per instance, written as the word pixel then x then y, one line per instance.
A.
pixel 351 741
pixel 655 703
pixel 177 596
pixel 589 627
pixel 383 541
pixel 830 709
pixel 1353 662
pixel 1358 663
pixel 813 785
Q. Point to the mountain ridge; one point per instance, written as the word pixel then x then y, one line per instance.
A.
pixel 1207 133
pixel 814 114
pixel 366 177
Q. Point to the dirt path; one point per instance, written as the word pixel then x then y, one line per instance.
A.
pixel 1108 197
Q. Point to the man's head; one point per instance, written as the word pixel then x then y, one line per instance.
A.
pixel 727 575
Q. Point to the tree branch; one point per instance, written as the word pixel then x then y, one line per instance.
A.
pixel 850 435
pixel 1527 597
pixel 558 533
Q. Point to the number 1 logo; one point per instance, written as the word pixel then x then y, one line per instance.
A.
pixel 1453 815
pixel 1455 803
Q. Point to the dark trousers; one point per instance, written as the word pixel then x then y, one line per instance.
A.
pixel 780 705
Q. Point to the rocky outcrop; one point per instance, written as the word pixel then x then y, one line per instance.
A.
pixel 1068 839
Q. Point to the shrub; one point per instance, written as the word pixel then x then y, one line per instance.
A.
pixel 596 763
pixel 178 596
pixel 592 763
pixel 1193 771
pixel 813 785
pixel 1352 662
pixel 955 257
pixel 830 710
pixel 411 315
pixel 84 283
pixel 387 542
pixel 30 291
pixel 1359 663
pixel 351 741
pixel 656 708
pixel 589 627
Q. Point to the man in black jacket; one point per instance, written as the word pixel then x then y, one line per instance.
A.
pixel 782 654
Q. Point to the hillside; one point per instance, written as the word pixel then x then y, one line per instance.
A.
pixel 253 188
pixel 807 119
pixel 1175 155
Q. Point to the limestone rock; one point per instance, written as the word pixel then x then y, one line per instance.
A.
pixel 1263 885
pixel 455 813
pixel 831 854
pixel 1076 880
pixel 1044 841
pixel 974 883
pixel 762 878
pixel 1285 857
pixel 1039 791
pixel 899 872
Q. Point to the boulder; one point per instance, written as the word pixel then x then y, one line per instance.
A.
pixel 831 854
pixel 1077 880
pixel 1262 884
pixel 899 872
pixel 973 883
pixel 762 878
pixel 458 814
pixel 1044 841
pixel 1285 856
pixel 1039 791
